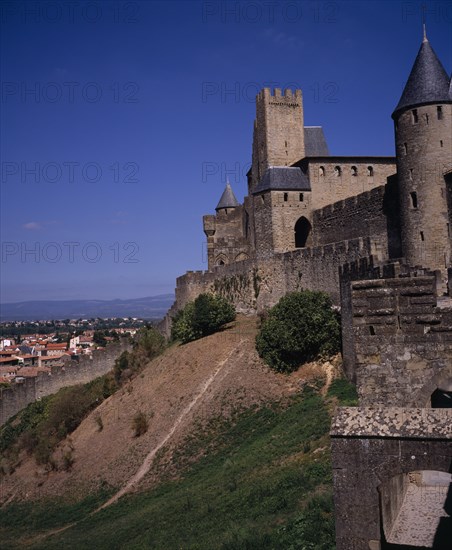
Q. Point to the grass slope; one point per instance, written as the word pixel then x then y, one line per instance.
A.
pixel 264 484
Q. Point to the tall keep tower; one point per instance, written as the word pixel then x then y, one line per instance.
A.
pixel 278 136
pixel 423 131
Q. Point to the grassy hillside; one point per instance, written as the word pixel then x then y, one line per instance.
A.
pixel 235 456
pixel 265 483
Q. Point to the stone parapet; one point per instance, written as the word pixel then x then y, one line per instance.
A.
pixel 392 422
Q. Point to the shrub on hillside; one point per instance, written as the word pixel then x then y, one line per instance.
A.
pixel 301 327
pixel 206 315
pixel 149 341
pixel 139 424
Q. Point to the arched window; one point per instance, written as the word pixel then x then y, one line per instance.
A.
pixel 337 171
pixel 221 260
pixel 370 171
pixel 413 196
pixel 354 171
pixel 321 171
pixel 302 233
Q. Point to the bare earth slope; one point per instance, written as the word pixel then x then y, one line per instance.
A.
pixel 179 391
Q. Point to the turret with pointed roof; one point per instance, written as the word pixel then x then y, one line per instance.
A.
pixel 428 81
pixel 423 133
pixel 228 199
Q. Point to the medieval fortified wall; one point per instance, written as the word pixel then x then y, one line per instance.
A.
pixel 73 371
pixel 374 233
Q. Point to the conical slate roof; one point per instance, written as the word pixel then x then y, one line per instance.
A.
pixel 228 199
pixel 428 81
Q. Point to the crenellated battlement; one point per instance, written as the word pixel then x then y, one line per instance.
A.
pixel 350 204
pixel 286 96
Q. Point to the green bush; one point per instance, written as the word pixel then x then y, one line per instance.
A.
pixel 206 315
pixel 121 365
pixel 140 424
pixel 149 341
pixel 301 327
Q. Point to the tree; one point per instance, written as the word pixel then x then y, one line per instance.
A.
pixel 99 338
pixel 206 315
pixel 150 341
pixel 301 327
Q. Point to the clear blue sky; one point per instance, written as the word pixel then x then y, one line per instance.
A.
pixel 133 112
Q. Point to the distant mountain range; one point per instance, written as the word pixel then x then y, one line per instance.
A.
pixel 151 307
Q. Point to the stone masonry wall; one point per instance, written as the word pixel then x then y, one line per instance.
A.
pixel 424 152
pixel 328 185
pixel 370 447
pixel 257 284
pixel 286 208
pixel 75 371
pixel 402 340
pixel 278 138
pixel 374 213
pixel 226 240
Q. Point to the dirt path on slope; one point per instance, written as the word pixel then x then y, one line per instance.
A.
pixel 147 463
pixel 329 371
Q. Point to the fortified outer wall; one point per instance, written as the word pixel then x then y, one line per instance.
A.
pixel 73 371
pixel 314 268
pixel 373 213
pixel 257 284
pixel 402 341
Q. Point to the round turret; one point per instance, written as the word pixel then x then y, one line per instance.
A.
pixel 423 130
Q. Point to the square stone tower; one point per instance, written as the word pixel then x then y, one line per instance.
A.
pixel 278 136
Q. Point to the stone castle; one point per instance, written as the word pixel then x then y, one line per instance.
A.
pixel 375 234
pixel 309 216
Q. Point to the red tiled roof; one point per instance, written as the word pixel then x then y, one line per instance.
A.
pixel 56 346
pixel 7 370
pixel 31 372
pixel 8 359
